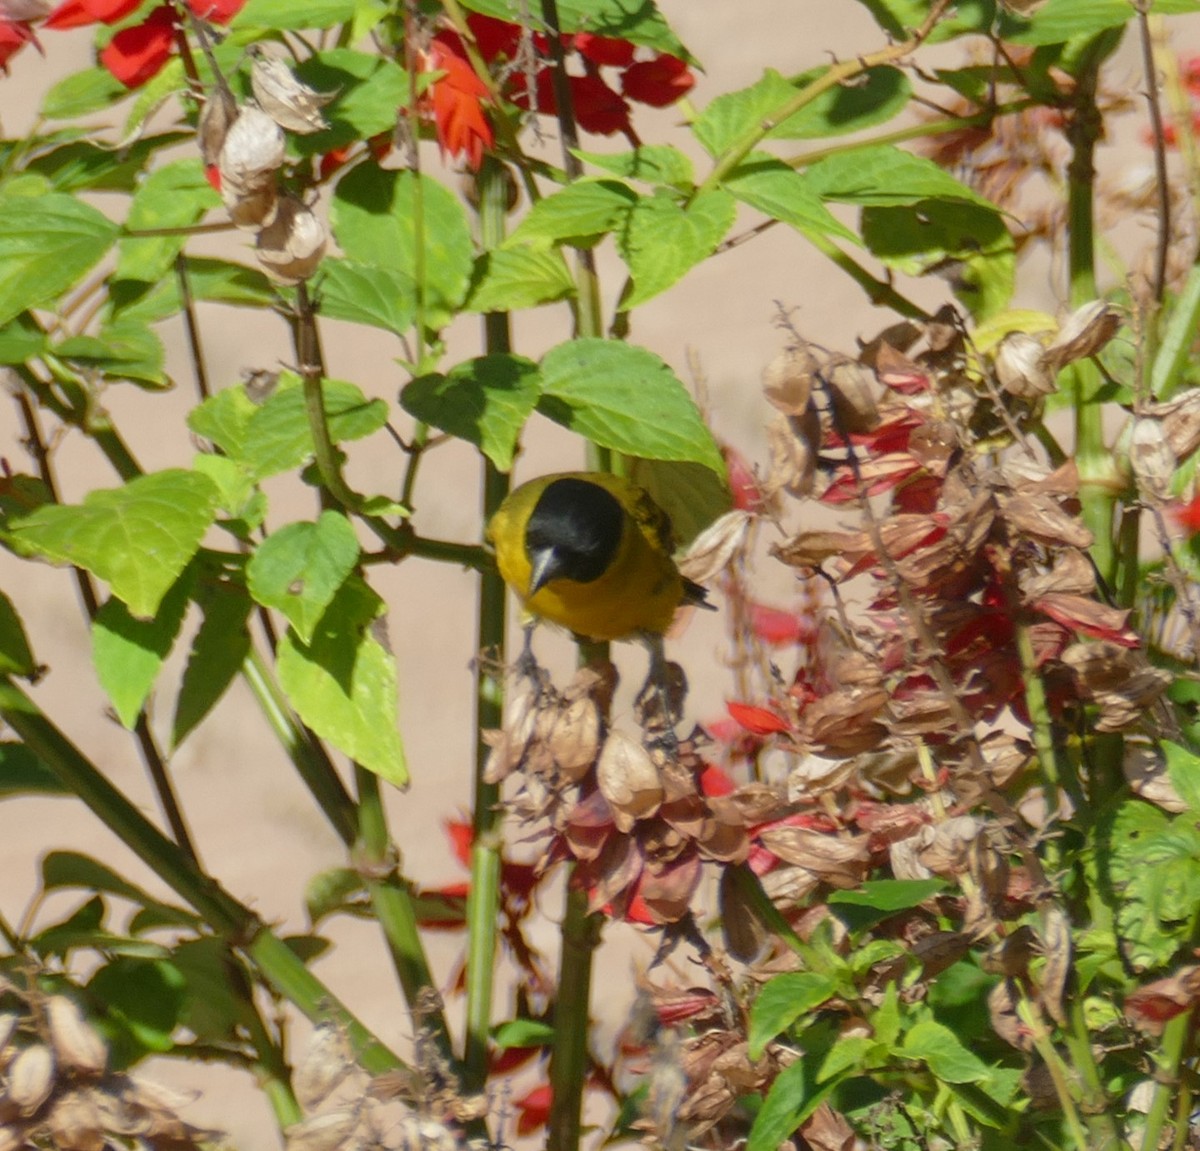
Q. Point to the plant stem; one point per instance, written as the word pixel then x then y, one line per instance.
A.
pixel 569 1056
pixel 1176 1042
pixel 233 921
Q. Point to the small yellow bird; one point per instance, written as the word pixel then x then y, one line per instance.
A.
pixel 592 552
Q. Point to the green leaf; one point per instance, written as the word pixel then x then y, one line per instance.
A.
pixel 900 18
pixel 219 997
pixel 693 495
pixel 78 164
pixel 369 89
pixel 174 196
pixel 789 1102
pixel 373 215
pixel 577 214
pixel 143 999
pixel 343 684
pixel 286 15
pixel 47 244
pixel 658 164
pixel 771 187
pixel 336 890
pixel 522 1033
pixel 71 869
pixel 16 656
pixel 278 438
pixel 1061 20
pixel 625 398
pixel 299 568
pixel 781 1001
pixel 884 175
pixel 22 773
pixel 368 294
pixel 138 538
pixel 238 495
pixel 219 650
pixel 661 242
pixel 21 339
pixel 640 23
pixel 128 653
pixel 81 93
pixel 220 281
pixel 484 401
pixel 936 1046
pixel 224 420
pixel 508 279
pixel 849 1053
pixel 1183 767
pixel 124 349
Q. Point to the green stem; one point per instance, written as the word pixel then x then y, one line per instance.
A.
pixel 483 900
pixel 1176 1042
pixel 1059 1073
pixel 237 924
pixel 569 1054
pixel 305 751
pixel 1175 350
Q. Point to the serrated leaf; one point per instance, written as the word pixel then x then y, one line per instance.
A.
pixel 781 1001
pixel 78 164
pixel 625 398
pixel 373 216
pixel 661 241
pixel 1183 767
pixel 280 15
pixel 234 483
pixel 935 1045
pixel 71 869
pixel 343 684
pixel 368 294
pixel 138 538
pixel 658 164
pixel 224 420
pixel 123 349
pixel 83 92
pixel 640 23
pixel 789 1102
pixel 128 653
pixel 173 196
pixel 299 568
pixel 485 401
pixel 337 889
pixel 884 175
pixel 219 650
pixel 219 281
pixel 771 187
pixel 16 656
pixel 47 244
pixel 277 437
pixel 369 89
pixel 508 279
pixel 577 214
pixel 22 773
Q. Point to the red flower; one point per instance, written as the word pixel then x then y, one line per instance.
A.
pixel 14 35
pixel 1187 516
pixel 216 11
pixel 658 82
pixel 776 627
pixel 77 13
pixel 495 38
pixel 604 49
pixel 757 720
pixel 747 495
pixel 462 128
pixel 533 1109
pixel 598 108
pixel 137 54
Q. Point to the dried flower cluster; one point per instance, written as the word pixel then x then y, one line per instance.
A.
pixel 56 1092
pixel 246 149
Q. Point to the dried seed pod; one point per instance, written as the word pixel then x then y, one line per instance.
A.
pixel 1151 458
pixel 852 392
pixel 31 1078
pixel 715 548
pixel 329 1131
pixel 574 739
pixel 11 1137
pixel 1055 936
pixel 9 1022
pixel 76 1043
pixel 75 1123
pixel 1021 367
pixel 216 118
pixel 792 444
pixel 252 209
pixel 1085 332
pixel 289 102
pixel 292 246
pixel 788 380
pixel 254 150
pixel 414 1133
pixel 628 779
pixel 326 1063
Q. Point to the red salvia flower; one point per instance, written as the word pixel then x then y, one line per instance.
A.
pixel 137 54
pixel 757 720
pixel 459 120
pixel 77 13
pixel 216 11
pixel 658 82
pixel 14 35
pixel 604 49
pixel 533 1109
pixel 598 108
pixel 494 38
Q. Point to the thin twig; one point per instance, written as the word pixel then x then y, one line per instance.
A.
pixel 1159 145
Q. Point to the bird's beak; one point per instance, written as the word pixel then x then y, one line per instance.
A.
pixel 544 568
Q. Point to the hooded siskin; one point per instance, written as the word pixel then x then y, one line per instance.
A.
pixel 592 552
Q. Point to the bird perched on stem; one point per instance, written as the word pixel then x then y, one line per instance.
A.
pixel 591 552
